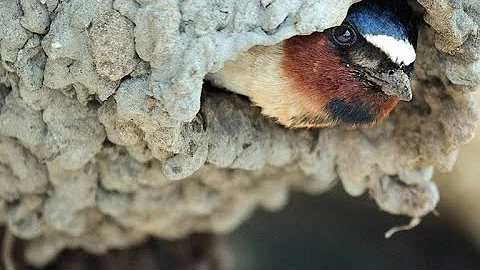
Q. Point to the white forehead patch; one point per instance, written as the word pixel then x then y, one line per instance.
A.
pixel 399 51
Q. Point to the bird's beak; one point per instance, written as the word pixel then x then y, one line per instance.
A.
pixel 395 83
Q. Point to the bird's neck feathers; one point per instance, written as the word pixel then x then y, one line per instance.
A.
pixel 253 70
pixel 258 74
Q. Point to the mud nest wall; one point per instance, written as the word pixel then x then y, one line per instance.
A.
pixel 108 133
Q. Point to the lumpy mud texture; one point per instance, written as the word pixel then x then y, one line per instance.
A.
pixel 109 134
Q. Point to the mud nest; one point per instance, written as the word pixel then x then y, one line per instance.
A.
pixel 108 133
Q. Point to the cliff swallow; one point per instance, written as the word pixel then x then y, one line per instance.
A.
pixel 352 75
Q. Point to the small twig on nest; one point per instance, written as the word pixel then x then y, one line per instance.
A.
pixel 413 223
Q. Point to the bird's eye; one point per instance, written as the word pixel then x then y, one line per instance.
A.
pixel 344 35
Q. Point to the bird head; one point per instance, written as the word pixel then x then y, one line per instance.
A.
pixel 352 75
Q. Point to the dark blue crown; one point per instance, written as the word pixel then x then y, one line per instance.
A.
pixel 371 19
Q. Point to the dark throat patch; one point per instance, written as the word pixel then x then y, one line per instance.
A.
pixel 349 113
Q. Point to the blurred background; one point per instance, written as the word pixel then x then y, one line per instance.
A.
pixel 328 231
